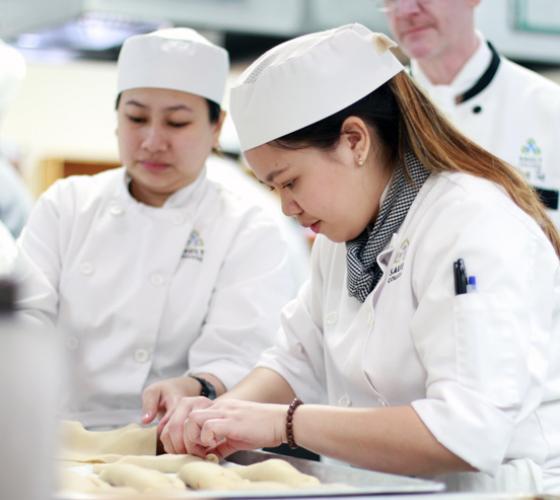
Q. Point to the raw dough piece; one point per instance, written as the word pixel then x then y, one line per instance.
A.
pixel 163 463
pixel 266 486
pixel 211 476
pixel 66 464
pixel 204 475
pixel 142 480
pixel 277 470
pixel 81 445
pixel 91 459
pixel 74 482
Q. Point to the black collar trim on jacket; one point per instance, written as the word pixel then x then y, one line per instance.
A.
pixel 484 80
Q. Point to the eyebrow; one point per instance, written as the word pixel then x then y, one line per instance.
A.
pixel 270 177
pixel 176 107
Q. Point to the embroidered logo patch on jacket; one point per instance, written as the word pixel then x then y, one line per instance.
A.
pixel 397 266
pixel 531 161
pixel 194 248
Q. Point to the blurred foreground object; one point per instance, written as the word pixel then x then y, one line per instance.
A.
pixel 30 362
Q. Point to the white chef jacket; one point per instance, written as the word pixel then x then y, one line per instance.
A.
pixel 482 369
pixel 516 117
pixel 8 251
pixel 15 200
pixel 145 293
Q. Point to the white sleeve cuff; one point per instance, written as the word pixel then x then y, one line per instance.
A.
pixel 468 426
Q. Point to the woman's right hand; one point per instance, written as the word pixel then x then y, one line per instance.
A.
pixel 173 435
pixel 230 425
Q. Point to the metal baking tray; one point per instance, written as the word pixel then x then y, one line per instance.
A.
pixel 339 481
pixel 347 481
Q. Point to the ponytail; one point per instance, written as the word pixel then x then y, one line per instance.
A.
pixel 440 147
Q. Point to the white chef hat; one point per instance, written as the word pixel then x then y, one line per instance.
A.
pixel 309 78
pixel 12 73
pixel 176 59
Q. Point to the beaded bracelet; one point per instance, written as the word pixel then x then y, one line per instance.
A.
pixel 290 422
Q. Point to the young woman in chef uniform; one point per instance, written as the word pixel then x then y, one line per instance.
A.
pixel 156 272
pixel 426 342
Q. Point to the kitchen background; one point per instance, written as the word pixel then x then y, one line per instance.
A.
pixel 62 120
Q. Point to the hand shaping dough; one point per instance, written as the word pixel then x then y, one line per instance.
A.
pixel 142 480
pixel 129 460
pixel 278 471
pixel 81 445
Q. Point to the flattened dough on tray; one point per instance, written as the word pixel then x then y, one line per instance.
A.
pixel 81 445
pixel 74 482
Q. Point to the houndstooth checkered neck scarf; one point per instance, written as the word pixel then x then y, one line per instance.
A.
pixel 361 253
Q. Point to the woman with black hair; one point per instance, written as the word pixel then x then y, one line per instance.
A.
pixel 154 269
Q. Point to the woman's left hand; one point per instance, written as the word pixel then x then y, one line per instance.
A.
pixel 160 399
pixel 230 425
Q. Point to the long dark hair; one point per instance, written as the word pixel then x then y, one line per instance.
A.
pixel 406 120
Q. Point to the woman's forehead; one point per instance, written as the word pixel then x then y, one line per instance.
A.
pixel 264 154
pixel 268 159
pixel 166 99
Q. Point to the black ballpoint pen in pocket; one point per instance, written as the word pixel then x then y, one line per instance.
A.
pixel 460 277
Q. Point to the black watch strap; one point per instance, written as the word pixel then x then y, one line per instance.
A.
pixel 207 389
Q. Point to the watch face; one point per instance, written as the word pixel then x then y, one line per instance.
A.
pixel 207 389
pixel 210 390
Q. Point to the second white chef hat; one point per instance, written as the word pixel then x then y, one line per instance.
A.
pixel 309 78
pixel 176 59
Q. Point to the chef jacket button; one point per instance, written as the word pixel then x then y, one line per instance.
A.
pixel 157 279
pixel 72 343
pixel 370 319
pixel 86 268
pixel 382 402
pixel 344 401
pixel 116 210
pixel 331 318
pixel 141 355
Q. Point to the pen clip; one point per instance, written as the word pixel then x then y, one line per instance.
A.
pixel 460 277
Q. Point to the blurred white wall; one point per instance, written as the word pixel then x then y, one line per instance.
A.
pixel 66 110
pixel 63 110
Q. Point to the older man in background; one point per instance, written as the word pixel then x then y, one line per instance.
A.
pixel 507 109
